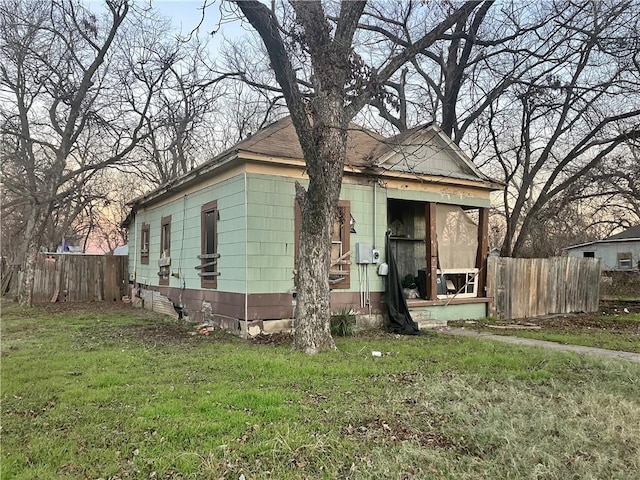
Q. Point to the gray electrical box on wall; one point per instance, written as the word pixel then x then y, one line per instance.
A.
pixel 364 253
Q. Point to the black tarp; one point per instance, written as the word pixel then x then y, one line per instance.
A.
pixel 400 320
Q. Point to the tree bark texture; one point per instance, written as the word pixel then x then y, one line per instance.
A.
pixel 318 205
pixel 321 125
pixel 35 227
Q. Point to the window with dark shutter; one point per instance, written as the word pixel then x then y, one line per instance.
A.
pixel 209 246
pixel 340 270
pixel 624 260
pixel 144 243
pixel 164 263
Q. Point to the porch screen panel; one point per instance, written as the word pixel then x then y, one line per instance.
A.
pixel 457 237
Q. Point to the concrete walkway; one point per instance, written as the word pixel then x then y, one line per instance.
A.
pixel 598 352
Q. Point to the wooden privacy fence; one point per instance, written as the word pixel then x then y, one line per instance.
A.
pixel 532 287
pixel 80 278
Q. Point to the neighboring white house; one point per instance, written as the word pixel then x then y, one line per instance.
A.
pixel 122 250
pixel 617 252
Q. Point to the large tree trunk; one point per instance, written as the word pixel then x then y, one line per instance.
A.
pixel 29 254
pixel 327 145
pixel 312 322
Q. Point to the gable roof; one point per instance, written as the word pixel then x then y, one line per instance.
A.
pixel 427 150
pixel 366 150
pixel 630 234
pixel 423 150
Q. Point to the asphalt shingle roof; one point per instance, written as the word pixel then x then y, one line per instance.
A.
pixel 633 232
pixel 280 140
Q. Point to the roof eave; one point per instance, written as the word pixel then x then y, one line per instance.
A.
pixel 432 178
pixel 606 240
pixel 185 180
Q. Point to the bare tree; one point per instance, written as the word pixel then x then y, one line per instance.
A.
pixel 103 219
pixel 254 98
pixel 74 106
pixel 540 94
pixel 454 80
pixel 325 83
pixel 181 118
pixel 574 111
pixel 613 189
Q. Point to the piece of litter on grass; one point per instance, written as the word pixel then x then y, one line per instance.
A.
pixel 375 353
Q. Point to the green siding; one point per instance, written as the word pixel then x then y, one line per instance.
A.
pixel 270 234
pixel 271 224
pixel 466 311
pixel 361 201
pixel 185 237
pixel 259 242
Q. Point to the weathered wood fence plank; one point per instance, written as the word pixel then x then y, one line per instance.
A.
pixel 522 287
pixel 81 278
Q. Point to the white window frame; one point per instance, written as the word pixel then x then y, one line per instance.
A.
pixel 470 289
pixel 625 263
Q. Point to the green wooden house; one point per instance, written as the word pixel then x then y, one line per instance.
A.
pixel 221 241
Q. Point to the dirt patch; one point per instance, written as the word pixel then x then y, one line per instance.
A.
pixel 276 339
pixel 564 323
pixel 610 317
pixel 588 322
pixel 615 307
pixel 178 334
pixel 377 429
pixel 153 335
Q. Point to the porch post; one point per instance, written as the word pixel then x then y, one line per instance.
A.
pixel 483 250
pixel 432 250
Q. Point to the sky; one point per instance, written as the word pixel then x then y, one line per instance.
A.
pixel 185 15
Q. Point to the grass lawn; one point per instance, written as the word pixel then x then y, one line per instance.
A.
pixel 126 394
pixel 614 331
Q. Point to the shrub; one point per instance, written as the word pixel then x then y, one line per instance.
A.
pixel 343 323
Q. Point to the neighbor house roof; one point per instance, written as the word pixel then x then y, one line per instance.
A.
pixel 630 234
